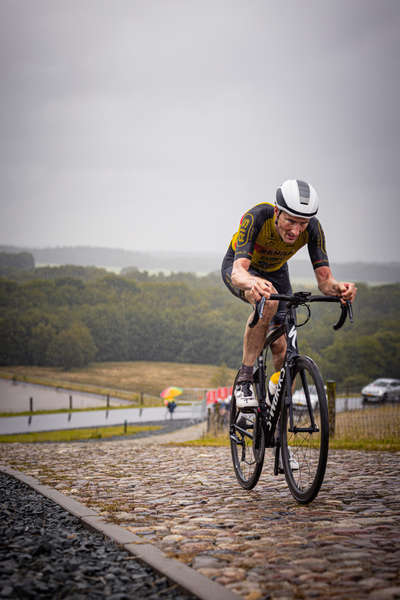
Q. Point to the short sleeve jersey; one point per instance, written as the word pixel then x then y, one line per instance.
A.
pixel 258 241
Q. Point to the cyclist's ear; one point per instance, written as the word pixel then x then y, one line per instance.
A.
pixel 277 212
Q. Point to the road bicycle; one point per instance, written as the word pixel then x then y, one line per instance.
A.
pixel 303 436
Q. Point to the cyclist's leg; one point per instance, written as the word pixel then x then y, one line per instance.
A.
pixel 281 281
pixel 253 340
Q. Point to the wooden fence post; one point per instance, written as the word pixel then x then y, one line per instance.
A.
pixel 331 389
pixel 217 420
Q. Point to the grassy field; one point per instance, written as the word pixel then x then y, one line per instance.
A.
pixel 28 413
pixel 122 379
pixel 74 435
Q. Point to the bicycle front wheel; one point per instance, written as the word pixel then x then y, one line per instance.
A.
pixel 247 444
pixel 305 445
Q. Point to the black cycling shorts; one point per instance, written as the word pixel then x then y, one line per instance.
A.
pixel 279 279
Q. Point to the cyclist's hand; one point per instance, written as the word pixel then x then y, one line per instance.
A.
pixel 261 287
pixel 347 291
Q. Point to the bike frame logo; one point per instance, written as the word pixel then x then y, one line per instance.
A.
pixel 293 336
pixel 275 400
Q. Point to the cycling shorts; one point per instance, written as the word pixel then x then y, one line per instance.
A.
pixel 279 279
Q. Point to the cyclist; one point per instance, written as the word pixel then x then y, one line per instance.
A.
pixel 255 265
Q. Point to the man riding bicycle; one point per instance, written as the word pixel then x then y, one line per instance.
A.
pixel 255 265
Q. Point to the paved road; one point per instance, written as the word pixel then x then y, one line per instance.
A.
pixel 259 544
pixel 14 397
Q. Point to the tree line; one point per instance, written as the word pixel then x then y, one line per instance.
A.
pixel 69 316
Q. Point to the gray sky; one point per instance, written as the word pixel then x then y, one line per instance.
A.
pixel 155 124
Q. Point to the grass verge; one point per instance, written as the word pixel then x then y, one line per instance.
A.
pixel 359 443
pixel 207 440
pixel 28 413
pixel 365 444
pixel 73 435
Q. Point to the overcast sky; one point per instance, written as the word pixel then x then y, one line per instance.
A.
pixel 155 124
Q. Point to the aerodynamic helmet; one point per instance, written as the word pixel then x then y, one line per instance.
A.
pixel 297 198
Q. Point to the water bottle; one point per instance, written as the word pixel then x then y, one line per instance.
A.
pixel 273 382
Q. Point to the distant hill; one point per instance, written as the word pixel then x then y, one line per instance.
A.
pixel 107 257
pixel 367 272
pixel 194 262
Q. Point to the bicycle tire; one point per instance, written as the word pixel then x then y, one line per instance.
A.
pixel 247 463
pixel 309 450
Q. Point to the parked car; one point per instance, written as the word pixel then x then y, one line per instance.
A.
pixel 381 390
pixel 299 398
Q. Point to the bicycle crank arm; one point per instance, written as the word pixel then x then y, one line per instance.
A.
pixel 243 432
pixel 235 438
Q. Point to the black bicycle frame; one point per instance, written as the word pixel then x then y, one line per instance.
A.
pixel 270 415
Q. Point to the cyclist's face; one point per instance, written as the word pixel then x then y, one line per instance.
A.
pixel 288 227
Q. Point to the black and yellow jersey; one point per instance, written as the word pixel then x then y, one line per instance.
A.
pixel 258 241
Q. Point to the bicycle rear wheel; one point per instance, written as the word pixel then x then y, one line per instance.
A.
pixel 247 444
pixel 303 448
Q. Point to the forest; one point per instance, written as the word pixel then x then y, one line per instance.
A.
pixel 70 316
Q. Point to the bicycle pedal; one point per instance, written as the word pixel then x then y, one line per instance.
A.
pixel 244 423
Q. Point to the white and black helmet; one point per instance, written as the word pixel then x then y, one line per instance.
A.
pixel 297 198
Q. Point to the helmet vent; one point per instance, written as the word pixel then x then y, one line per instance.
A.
pixel 304 191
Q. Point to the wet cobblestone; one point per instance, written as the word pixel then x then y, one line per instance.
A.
pixel 260 544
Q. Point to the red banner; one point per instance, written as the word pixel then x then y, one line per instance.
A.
pixel 211 396
pixel 222 393
pixel 214 396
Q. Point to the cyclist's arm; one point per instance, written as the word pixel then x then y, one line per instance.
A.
pixel 241 278
pixel 329 286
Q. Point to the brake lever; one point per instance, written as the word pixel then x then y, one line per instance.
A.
pixel 261 306
pixel 346 308
pixel 258 312
pixel 350 309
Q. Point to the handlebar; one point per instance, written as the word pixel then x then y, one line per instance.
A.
pixel 303 298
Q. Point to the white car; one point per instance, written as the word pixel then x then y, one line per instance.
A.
pixel 381 390
pixel 299 398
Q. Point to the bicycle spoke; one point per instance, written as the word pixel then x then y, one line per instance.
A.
pixel 306 451
pixel 247 465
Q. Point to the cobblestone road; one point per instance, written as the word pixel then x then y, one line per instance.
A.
pixel 260 544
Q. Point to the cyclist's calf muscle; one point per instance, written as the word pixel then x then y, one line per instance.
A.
pixel 278 349
pixel 254 338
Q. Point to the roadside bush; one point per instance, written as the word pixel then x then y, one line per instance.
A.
pixel 42 336
pixel 71 348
